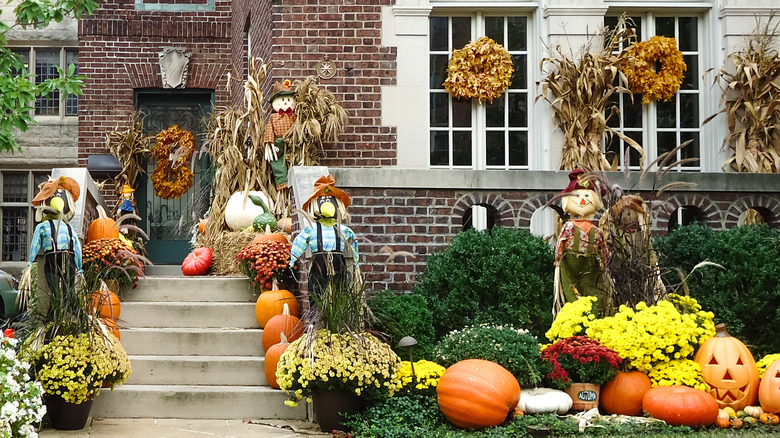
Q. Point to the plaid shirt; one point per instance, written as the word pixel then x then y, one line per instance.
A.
pixel 278 125
pixel 307 239
pixel 42 240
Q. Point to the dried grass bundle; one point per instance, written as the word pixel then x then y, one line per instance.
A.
pixel 580 95
pixel 131 148
pixel 750 100
pixel 225 246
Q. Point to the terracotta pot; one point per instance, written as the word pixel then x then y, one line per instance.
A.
pixel 65 415
pixel 584 395
pixel 331 408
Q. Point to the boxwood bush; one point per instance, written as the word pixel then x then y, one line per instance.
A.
pixel 404 315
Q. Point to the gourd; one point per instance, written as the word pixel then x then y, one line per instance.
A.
pixel 202 225
pixel 198 261
pixel 266 219
pixel 284 323
pixel 754 411
pixel 681 406
pixel 285 224
pixel 103 227
pixel 263 237
pixel 476 393
pixel 272 356
pixel 241 212
pixel 544 400
pixel 623 394
pixel 107 303
pixel 271 303
pixel 769 390
pixel 729 368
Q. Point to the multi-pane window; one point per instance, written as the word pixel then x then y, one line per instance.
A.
pixel 42 63
pixel 467 133
pixel 662 126
pixel 16 212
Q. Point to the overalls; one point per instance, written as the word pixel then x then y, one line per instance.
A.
pixel 329 266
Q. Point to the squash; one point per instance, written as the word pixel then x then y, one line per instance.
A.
pixel 681 406
pixel 263 237
pixel 769 389
pixel 623 394
pixel 272 356
pixel 271 303
pixel 103 227
pixel 544 400
pixel 723 423
pixel 729 368
pixel 202 225
pixel 240 213
pixel 197 262
pixel 754 411
pixel 265 220
pixel 107 303
pixel 285 224
pixel 284 323
pixel 476 394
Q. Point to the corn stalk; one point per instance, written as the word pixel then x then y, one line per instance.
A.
pixel 131 148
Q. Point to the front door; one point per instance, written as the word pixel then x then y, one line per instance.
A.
pixel 170 222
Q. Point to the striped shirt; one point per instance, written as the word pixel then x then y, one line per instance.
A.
pixel 307 239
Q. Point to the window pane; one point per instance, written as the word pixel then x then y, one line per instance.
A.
pixel 494 148
pixel 633 155
pixel 24 57
pixel 461 113
pixel 666 142
pixel 46 63
pixel 689 110
pixel 612 151
pixel 518 148
pixel 691 80
pixel 494 28
pixel 666 114
pixel 664 26
pixel 461 31
pixel 689 34
pixel 494 112
pixel 438 71
pixel 72 101
pixel 461 148
pixel 14 234
pixel 15 187
pixel 518 110
pixel 519 76
pixel 440 110
pixel 517 33
pixel 440 148
pixel 691 150
pixel 438 34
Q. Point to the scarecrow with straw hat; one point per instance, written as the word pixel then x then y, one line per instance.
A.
pixel 333 245
pixel 279 122
pixel 128 204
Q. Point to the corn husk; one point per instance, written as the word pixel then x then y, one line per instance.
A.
pixel 131 147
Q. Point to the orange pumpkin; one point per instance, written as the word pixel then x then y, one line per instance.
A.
pixel 623 394
pixel 769 389
pixel 279 237
pixel 202 225
pixel 729 368
pixel 107 303
pixel 769 418
pixel 271 303
pixel 112 326
pixel 284 323
pixel 103 227
pixel 476 394
pixel 681 406
pixel 272 360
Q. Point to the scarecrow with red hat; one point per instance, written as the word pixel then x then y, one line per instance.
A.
pixel 279 122
pixel 333 245
pixel 581 251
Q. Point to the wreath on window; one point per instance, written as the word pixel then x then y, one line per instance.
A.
pixel 482 69
pixel 638 64
pixel 172 177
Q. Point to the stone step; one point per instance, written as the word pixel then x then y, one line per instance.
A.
pixel 188 314
pixel 177 289
pixel 192 341
pixel 206 402
pixel 163 271
pixel 200 370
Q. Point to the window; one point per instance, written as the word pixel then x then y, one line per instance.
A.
pixel 662 126
pixel 46 60
pixel 16 212
pixel 466 133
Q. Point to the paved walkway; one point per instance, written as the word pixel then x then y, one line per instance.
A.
pixel 168 428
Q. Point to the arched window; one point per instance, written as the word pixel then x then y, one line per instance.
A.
pixel 686 215
pixel 480 217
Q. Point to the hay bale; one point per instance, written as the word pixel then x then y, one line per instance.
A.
pixel 225 246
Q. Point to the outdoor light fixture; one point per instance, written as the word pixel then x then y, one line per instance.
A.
pixel 409 342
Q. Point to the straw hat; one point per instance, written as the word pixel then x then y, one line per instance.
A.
pixel 326 186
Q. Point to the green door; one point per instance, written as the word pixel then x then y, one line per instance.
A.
pixel 169 222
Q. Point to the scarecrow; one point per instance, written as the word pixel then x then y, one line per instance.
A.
pixel 55 246
pixel 279 122
pixel 333 245
pixel 581 251
pixel 128 203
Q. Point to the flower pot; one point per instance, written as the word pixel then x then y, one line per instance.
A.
pixel 584 395
pixel 331 407
pixel 64 415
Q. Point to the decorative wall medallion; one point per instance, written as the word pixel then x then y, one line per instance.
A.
pixel 174 63
pixel 326 68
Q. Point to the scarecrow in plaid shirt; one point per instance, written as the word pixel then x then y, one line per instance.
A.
pixel 333 245
pixel 279 122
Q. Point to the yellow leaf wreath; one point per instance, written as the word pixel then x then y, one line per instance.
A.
pixel 482 69
pixel 172 177
pixel 638 64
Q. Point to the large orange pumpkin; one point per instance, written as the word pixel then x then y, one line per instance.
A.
pixel 681 406
pixel 476 393
pixel 623 394
pixel 272 360
pixel 769 389
pixel 729 368
pixel 103 227
pixel 284 323
pixel 271 303
pixel 107 303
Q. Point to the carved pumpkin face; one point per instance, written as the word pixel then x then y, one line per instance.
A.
pixel 729 368
pixel 769 390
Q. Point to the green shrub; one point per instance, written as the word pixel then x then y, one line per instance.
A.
pixel 504 276
pixel 404 315
pixel 398 417
pixel 745 295
pixel 515 350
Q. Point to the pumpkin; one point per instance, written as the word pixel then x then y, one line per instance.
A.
pixel 197 262
pixel 754 411
pixel 681 406
pixel 103 227
pixel 476 393
pixel 769 418
pixel 736 423
pixel 107 303
pixel 623 394
pixel 111 326
pixel 263 237
pixel 284 323
pixel 285 224
pixel 271 303
pixel 272 356
pixel 729 368
pixel 240 211
pixel 723 423
pixel 202 225
pixel 769 389
pixel 544 400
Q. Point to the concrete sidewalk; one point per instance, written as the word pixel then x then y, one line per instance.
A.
pixel 188 428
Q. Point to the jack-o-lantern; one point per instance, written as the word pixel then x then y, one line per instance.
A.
pixel 769 390
pixel 729 368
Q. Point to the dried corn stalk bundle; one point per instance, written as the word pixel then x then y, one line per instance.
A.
pixel 131 148
pixel 319 118
pixel 580 95
pixel 750 100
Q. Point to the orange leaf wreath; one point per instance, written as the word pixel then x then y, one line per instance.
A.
pixel 638 64
pixel 482 69
pixel 172 177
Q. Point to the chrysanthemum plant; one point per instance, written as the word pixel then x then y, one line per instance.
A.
pixel 579 359
pixel 20 397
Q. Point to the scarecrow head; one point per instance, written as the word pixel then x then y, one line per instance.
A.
pixel 327 203
pixel 282 98
pixel 57 199
pixel 581 199
pixel 127 192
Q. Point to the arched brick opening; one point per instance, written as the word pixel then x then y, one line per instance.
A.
pixel 503 209
pixel 530 206
pixel 767 206
pixel 200 75
pixel 710 214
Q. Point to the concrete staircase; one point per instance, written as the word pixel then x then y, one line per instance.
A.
pixel 196 352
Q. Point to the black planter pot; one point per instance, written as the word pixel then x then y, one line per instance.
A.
pixel 64 415
pixel 331 407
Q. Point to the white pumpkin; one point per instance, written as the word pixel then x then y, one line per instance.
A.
pixel 240 212
pixel 544 400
